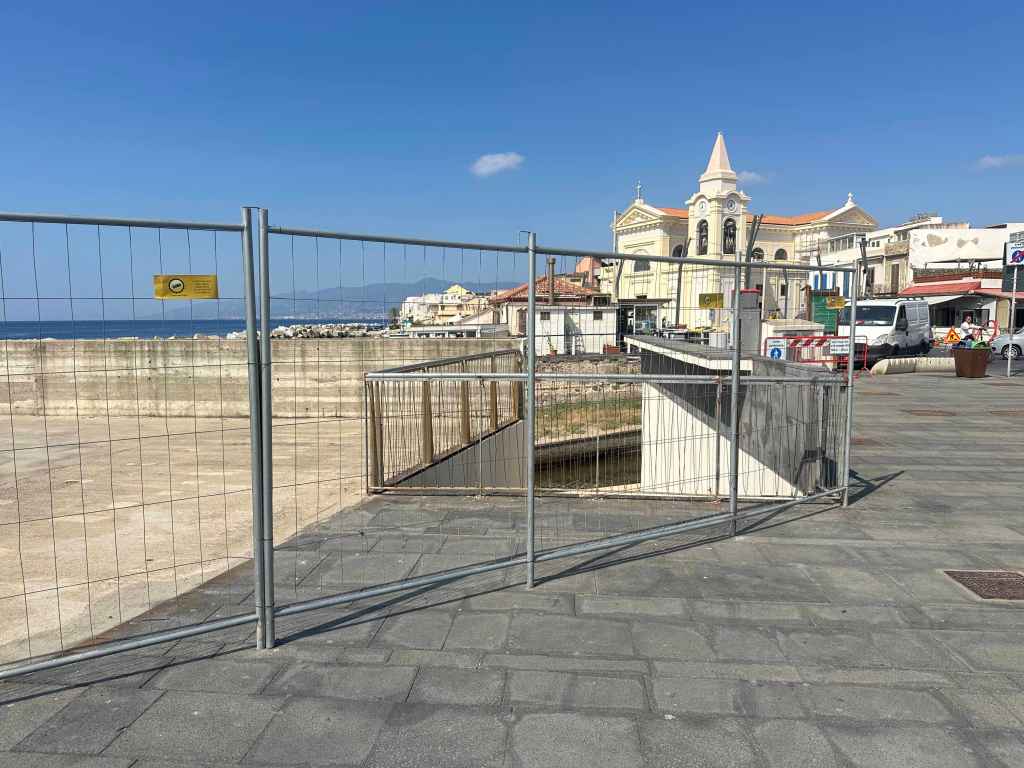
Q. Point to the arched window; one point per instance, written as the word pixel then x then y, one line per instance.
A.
pixel 641 265
pixel 677 252
pixel 702 238
pixel 729 236
pixel 781 255
pixel 757 254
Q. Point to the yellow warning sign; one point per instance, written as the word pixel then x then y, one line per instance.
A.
pixel 712 301
pixel 835 302
pixel 185 286
pixel 952 337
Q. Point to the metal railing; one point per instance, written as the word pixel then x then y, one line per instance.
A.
pixel 328 419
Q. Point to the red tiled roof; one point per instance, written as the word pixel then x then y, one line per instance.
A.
pixel 941 289
pixel 682 213
pixel 802 218
pixel 563 290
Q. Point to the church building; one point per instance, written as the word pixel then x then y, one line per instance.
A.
pixel 715 224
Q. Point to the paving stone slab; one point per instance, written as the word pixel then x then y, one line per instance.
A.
pixel 23 707
pixel 1000 651
pixel 351 681
pixel 656 640
pixel 695 742
pixel 699 697
pixel 564 664
pixel 745 644
pixel 747 611
pixel 858 702
pixel 311 731
pixel 983 710
pixel 216 675
pixel 421 735
pixel 517 600
pixel 569 635
pixel 660 607
pixel 574 691
pixel 90 722
pixel 436 685
pixel 780 673
pixel 485 632
pixel 198 726
pixel 24 760
pixel 831 648
pixel 790 743
pixel 764 700
pixel 572 740
pixel 419 658
pixel 122 669
pixel 419 629
pixel 885 746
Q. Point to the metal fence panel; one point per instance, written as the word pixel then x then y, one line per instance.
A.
pixel 124 436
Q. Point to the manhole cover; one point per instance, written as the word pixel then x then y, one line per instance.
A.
pixel 991 585
pixel 928 412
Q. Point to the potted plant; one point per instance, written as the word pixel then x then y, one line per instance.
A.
pixel 971 359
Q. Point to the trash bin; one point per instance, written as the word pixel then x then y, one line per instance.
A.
pixel 971 363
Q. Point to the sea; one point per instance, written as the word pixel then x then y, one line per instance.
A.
pixel 146 329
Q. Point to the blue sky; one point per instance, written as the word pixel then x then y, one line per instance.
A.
pixel 370 116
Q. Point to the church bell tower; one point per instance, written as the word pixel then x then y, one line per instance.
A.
pixel 718 209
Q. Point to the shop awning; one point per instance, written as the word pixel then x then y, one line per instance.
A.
pixel 933 300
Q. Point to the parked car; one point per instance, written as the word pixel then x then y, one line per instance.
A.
pixel 1009 347
pixel 891 328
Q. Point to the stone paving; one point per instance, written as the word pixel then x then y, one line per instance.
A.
pixel 829 638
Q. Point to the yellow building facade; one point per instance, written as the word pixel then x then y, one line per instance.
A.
pixel 715 224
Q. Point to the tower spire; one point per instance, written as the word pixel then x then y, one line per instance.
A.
pixel 719 160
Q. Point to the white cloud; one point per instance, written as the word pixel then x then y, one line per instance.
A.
pixel 488 165
pixel 988 162
pixel 751 177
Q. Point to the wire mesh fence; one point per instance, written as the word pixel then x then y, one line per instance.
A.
pixel 167 468
pixel 124 435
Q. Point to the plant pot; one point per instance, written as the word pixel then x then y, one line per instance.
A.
pixel 971 363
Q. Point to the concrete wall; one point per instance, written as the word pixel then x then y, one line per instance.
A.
pixel 204 377
pixel 497 461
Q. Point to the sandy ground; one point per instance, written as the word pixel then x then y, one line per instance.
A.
pixel 103 519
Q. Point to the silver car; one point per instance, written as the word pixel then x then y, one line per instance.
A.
pixel 1009 347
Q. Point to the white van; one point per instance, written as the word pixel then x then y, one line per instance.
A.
pixel 891 327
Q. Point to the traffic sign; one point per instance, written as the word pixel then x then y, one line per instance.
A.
pixel 838 347
pixel 835 302
pixel 952 337
pixel 776 348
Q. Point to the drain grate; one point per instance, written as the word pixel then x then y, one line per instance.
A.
pixel 991 585
pixel 928 412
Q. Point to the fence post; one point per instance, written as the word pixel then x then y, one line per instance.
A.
pixel 255 430
pixel 718 438
pixel 494 395
pixel 426 426
pixel 734 402
pixel 531 383
pixel 467 427
pixel 267 431
pixel 854 290
pixel 375 479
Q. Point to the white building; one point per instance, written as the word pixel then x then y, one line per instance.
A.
pixel 571 318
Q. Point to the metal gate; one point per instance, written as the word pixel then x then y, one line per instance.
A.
pixel 503 380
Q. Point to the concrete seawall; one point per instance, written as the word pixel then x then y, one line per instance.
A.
pixel 203 377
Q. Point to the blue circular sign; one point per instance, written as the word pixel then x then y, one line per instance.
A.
pixel 775 354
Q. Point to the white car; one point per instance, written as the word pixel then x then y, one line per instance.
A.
pixel 1009 347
